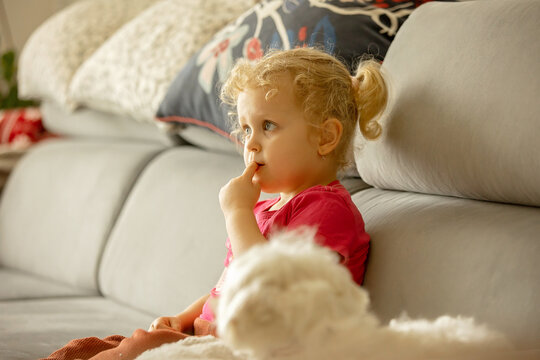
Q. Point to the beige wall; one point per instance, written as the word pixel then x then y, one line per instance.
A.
pixel 18 18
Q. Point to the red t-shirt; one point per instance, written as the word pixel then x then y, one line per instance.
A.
pixel 339 224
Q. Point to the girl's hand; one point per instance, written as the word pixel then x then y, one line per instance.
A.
pixel 166 322
pixel 240 192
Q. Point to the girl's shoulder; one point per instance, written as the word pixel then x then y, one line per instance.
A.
pixel 316 196
pixel 330 207
pixel 334 190
pixel 324 197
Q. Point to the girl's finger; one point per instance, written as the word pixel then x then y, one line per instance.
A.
pixel 250 169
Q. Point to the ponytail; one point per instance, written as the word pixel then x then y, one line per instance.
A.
pixel 371 96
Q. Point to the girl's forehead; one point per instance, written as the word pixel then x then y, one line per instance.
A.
pixel 254 103
pixel 272 83
pixel 277 88
pixel 267 97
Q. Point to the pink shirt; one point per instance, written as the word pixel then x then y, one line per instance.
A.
pixel 339 224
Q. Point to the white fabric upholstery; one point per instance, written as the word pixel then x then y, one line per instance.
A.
pixel 176 242
pixel 54 52
pixel 60 204
pixel 132 71
pixel 464 110
pixel 433 255
pixel 90 123
pixel 18 285
pixel 204 138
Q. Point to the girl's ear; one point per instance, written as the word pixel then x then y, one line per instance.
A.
pixel 330 135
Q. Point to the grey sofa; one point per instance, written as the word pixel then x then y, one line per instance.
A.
pixel 99 235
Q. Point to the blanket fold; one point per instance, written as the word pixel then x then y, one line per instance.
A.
pixel 126 348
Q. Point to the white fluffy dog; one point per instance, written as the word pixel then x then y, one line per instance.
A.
pixel 290 299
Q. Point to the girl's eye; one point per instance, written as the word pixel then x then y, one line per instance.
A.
pixel 269 126
pixel 246 132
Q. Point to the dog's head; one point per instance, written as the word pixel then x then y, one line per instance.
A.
pixel 286 293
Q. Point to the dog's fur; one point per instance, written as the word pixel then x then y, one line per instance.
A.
pixel 290 299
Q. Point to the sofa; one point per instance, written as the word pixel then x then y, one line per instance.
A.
pixel 116 221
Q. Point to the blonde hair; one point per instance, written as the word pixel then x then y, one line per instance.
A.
pixel 323 87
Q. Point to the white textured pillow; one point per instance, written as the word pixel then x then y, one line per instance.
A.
pixel 132 71
pixel 54 52
pixel 464 115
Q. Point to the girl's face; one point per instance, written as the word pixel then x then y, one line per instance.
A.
pixel 278 137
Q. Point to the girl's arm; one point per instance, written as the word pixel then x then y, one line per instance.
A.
pixel 182 322
pixel 243 230
pixel 237 200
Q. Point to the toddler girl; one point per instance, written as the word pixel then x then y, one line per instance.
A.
pixel 296 114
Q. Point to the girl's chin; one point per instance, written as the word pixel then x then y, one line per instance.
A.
pixel 268 189
pixel 264 187
pixel 257 180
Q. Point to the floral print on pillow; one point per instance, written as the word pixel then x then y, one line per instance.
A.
pixel 347 29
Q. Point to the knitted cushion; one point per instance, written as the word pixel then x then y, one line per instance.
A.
pixel 54 52
pixel 131 72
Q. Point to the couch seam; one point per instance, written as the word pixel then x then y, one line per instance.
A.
pixel 118 212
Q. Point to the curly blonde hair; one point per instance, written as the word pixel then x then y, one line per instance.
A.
pixel 323 87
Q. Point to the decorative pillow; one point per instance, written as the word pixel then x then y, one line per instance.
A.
pixel 54 52
pixel 417 3
pixel 130 73
pixel 421 2
pixel 345 29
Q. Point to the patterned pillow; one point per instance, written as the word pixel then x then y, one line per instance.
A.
pixel 130 73
pixel 54 52
pixel 347 29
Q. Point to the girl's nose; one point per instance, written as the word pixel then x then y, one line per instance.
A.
pixel 252 144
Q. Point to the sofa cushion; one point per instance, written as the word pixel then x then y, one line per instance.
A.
pixel 18 285
pixel 168 246
pixel 33 329
pixel 54 52
pixel 346 30
pixel 91 123
pixel 60 204
pixel 433 255
pixel 463 113
pixel 131 72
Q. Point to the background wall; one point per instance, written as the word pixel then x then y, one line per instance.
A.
pixel 18 18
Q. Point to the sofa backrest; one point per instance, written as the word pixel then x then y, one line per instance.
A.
pixel 439 255
pixel 60 204
pixel 462 121
pixel 168 245
pixel 463 114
